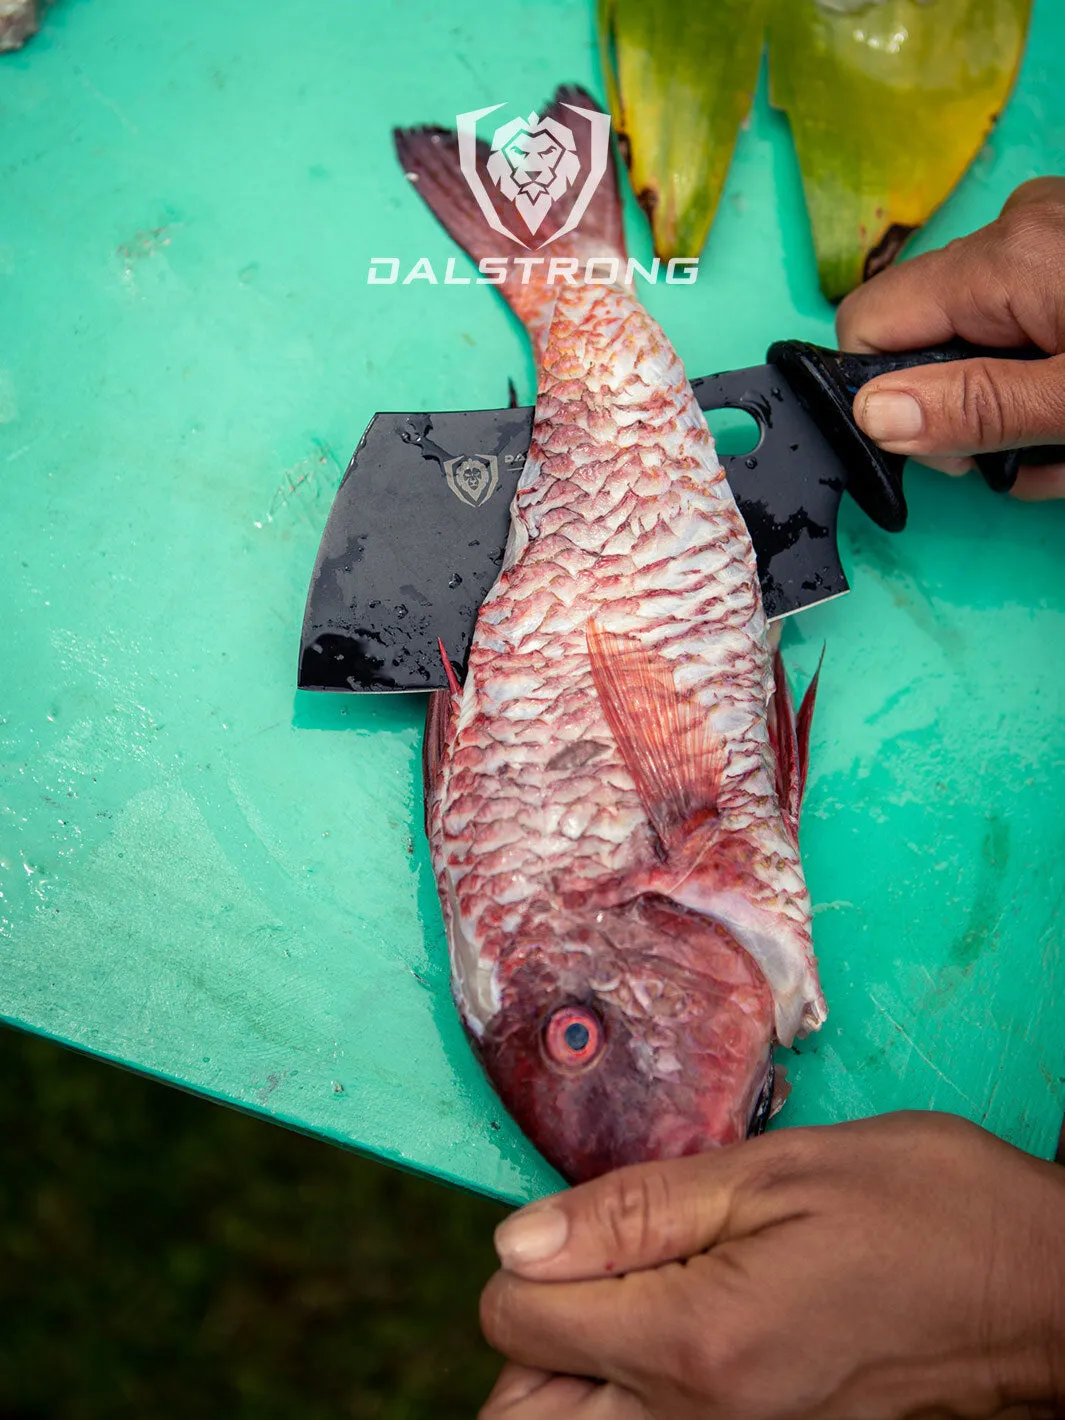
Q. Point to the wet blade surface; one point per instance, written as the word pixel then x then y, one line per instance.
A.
pixel 416 535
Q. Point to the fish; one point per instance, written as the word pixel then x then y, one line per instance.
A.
pixel 612 792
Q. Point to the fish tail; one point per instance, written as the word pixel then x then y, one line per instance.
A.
pixel 529 268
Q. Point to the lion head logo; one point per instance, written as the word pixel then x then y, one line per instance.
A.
pixel 533 161
pixel 472 479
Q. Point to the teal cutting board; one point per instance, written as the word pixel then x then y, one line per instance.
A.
pixel 212 878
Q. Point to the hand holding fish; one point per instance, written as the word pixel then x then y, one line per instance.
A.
pixel 1002 286
pixel 909 1264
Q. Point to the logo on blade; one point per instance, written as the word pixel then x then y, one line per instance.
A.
pixel 534 161
pixel 473 479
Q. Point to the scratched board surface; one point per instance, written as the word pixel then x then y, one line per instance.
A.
pixel 217 880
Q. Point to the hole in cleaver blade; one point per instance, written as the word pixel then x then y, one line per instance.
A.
pixel 416 535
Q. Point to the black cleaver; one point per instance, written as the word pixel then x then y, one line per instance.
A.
pixel 416 534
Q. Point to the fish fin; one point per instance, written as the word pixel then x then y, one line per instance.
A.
pixel 784 740
pixel 805 722
pixel 676 760
pixel 432 160
pixel 789 736
pixel 601 226
pixel 449 670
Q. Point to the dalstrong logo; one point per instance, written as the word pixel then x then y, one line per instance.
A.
pixel 534 161
pixel 473 479
pixel 532 178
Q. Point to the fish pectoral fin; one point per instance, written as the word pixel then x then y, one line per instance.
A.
pixel 674 756
pixel 789 736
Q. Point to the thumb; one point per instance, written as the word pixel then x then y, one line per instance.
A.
pixel 965 407
pixel 636 1217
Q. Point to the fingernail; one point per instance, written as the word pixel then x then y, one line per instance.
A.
pixel 533 1235
pixel 890 417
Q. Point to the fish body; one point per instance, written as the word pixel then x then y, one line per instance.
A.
pixel 613 793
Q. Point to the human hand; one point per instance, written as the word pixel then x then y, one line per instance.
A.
pixel 909 1265
pixel 1003 286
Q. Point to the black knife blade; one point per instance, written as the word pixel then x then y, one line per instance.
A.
pixel 415 538
pixel 416 534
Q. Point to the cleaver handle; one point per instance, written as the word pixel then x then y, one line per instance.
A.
pixel 827 381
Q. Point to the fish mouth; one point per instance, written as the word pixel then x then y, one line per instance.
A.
pixel 763 1106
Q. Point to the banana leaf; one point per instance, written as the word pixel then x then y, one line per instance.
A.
pixel 680 78
pixel 889 102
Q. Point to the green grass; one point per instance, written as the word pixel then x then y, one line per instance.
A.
pixel 164 1257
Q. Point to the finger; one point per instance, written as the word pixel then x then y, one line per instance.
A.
pixel 515 1383
pixel 599 1330
pixel 636 1217
pixel 966 407
pixel 958 290
pixel 999 286
pixel 524 1394
pixel 1038 484
pixel 1036 190
pixel 954 467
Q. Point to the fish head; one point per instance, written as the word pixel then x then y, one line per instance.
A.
pixel 641 1032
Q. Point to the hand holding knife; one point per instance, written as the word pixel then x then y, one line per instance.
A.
pixel 1000 287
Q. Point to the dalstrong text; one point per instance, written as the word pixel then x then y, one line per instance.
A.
pixel 557 271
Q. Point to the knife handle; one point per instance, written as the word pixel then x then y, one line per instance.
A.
pixel 827 381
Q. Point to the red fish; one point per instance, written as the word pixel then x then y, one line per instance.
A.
pixel 613 793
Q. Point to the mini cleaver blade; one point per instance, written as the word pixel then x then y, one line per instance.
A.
pixel 416 535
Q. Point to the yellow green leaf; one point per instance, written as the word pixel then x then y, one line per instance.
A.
pixel 889 102
pixel 680 78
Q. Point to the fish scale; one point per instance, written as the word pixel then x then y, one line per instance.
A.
pixel 529 682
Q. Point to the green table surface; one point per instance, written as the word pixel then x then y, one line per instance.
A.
pixel 213 878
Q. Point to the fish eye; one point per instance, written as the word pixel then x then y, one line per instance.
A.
pixel 573 1036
